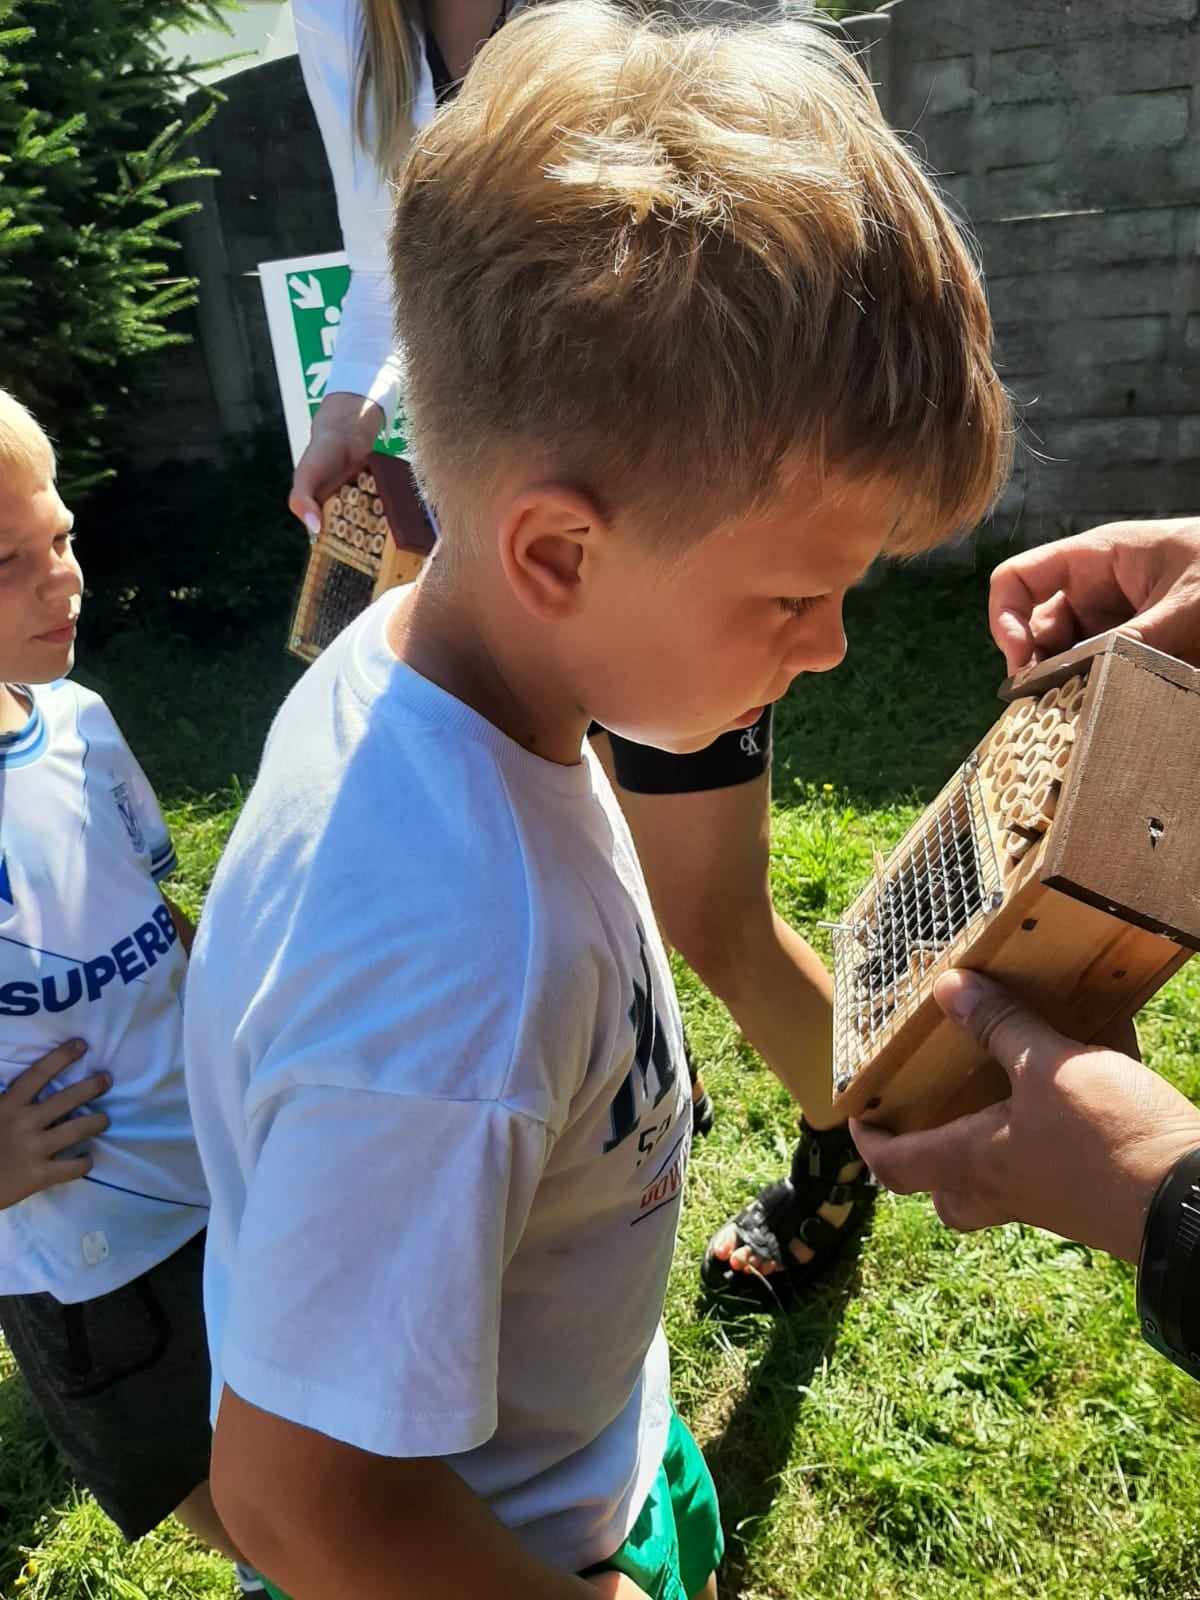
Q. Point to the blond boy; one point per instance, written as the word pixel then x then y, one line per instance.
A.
pixel 102 1211
pixel 690 342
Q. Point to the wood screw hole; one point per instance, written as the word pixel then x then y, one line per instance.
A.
pixel 1119 974
pixel 1157 829
pixel 1029 925
pixel 873 1104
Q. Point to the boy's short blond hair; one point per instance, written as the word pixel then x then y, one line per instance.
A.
pixel 26 454
pixel 677 260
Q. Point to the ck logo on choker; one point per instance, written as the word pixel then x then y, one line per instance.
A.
pixel 129 817
pixel 749 743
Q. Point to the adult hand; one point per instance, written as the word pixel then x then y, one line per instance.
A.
pixel 1141 576
pixel 616 1586
pixel 33 1134
pixel 1079 1148
pixel 343 431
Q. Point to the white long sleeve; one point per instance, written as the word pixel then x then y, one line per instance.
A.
pixel 365 359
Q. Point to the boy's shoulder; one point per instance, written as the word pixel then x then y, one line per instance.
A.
pixel 66 697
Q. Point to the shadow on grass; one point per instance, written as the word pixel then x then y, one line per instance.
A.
pixel 749 1456
pixel 33 1479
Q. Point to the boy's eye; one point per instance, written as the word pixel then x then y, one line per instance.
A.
pixel 797 608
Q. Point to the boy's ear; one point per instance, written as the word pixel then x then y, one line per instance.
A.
pixel 545 540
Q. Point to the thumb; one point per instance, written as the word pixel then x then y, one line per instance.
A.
pixel 304 507
pixel 1010 1032
pixel 1172 625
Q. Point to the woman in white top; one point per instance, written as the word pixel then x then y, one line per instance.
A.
pixel 375 70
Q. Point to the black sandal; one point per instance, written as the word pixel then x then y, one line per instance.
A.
pixel 785 1211
pixel 702 1106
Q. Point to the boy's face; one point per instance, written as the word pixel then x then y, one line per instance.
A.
pixel 680 649
pixel 40 585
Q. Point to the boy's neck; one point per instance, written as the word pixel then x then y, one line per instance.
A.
pixel 14 710
pixel 485 652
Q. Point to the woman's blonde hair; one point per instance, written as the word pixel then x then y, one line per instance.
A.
pixel 386 73
pixel 679 260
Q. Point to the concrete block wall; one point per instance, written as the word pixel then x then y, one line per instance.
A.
pixel 1066 131
pixel 1068 134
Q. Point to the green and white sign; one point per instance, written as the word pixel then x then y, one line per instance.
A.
pixel 303 298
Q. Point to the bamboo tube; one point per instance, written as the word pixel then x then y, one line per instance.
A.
pixel 1046 800
pixel 377 505
pixel 1016 845
pixel 362 479
pixel 377 544
pixel 1048 702
pixel 1021 713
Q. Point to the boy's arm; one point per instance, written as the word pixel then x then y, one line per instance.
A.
pixel 325 1521
pixel 184 926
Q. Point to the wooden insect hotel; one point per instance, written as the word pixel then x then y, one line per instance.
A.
pixel 374 535
pixel 1063 858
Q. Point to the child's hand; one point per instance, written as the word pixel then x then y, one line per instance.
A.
pixel 32 1132
pixel 616 1586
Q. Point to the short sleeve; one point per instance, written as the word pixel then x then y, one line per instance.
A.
pixel 135 798
pixel 369 1212
pixel 150 821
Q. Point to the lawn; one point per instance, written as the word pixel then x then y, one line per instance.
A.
pixel 951 1417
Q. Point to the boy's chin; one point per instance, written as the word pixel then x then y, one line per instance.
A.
pixel 48 668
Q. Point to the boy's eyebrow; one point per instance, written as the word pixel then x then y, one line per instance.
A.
pixel 14 529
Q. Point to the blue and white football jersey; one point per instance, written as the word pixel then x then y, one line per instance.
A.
pixel 88 950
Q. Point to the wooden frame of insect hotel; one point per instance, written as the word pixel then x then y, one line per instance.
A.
pixel 374 535
pixel 1063 858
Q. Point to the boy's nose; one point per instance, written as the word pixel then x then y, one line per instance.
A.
pixel 825 648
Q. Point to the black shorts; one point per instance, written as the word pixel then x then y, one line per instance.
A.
pixel 737 757
pixel 122 1384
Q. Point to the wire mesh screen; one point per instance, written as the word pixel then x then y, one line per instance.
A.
pixel 938 883
pixel 334 593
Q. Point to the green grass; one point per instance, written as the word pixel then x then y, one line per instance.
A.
pixel 951 1417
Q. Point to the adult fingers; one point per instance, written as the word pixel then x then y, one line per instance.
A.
pixel 968 1210
pixel 1172 624
pixel 1054 626
pixel 56 1106
pixel 912 1163
pixel 27 1085
pixel 76 1130
pixel 1010 1032
pixel 303 506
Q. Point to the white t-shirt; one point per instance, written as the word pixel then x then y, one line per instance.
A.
pixel 436 1071
pixel 88 950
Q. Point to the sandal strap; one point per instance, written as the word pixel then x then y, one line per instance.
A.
pixel 820 1236
pixel 821 1154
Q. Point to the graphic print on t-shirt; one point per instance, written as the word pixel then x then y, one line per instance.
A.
pixel 652 1076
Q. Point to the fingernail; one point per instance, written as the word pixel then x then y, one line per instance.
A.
pixel 106 1080
pixel 959 996
pixel 76 1047
pixel 313 523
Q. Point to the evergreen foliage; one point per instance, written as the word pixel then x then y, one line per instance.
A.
pixel 93 133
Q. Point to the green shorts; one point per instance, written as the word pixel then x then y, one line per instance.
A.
pixel 676 1542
